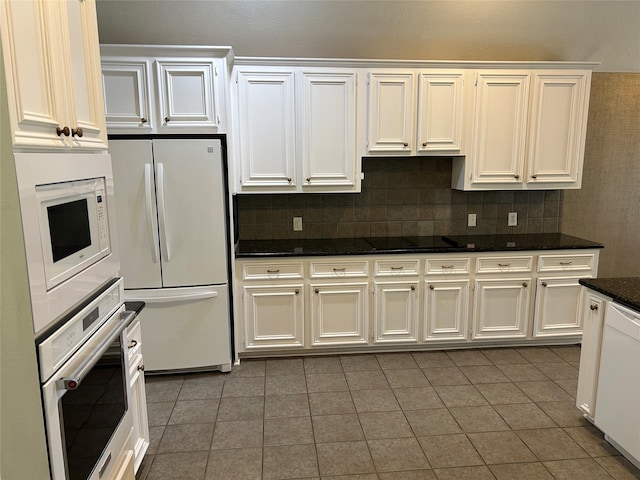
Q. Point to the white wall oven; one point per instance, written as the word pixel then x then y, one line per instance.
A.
pixel 69 229
pixel 83 373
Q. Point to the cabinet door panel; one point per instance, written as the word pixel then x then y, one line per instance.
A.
pixel 274 316
pixel 501 308
pixel 558 127
pixel 593 308
pixel 186 94
pixel 446 310
pixel 391 112
pixel 396 312
pixel 85 99
pixel 557 307
pixel 267 129
pixel 500 127
pixel 328 134
pixel 339 314
pixel 127 95
pixel 440 112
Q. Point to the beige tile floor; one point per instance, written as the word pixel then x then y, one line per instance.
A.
pixel 505 414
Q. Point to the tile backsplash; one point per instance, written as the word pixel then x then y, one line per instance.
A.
pixel 405 196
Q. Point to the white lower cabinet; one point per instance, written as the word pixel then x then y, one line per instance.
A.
pixel 453 300
pixel 137 394
pixel 395 311
pixel 501 308
pixel 593 310
pixel 273 316
pixel 339 313
pixel 446 310
pixel 557 309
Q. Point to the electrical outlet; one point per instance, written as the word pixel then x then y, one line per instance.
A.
pixel 471 220
pixel 297 224
pixel 513 219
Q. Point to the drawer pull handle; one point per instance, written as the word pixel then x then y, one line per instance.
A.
pixel 565 264
pixel 504 264
pixel 431 287
pixel 335 269
pixel 397 268
pixel 449 267
pixel 133 343
pixel 274 271
pixel 544 284
pixel 525 284
pixel 317 290
pixel 593 306
pixel 413 287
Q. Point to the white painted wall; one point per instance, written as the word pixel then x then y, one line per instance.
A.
pixel 600 31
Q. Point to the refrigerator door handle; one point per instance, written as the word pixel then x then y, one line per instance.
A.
pixel 183 297
pixel 152 231
pixel 162 216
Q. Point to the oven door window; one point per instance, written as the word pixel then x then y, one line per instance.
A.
pixel 91 413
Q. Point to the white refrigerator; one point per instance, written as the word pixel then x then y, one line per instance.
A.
pixel 172 230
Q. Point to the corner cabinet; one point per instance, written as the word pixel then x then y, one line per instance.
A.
pixel 529 131
pixel 418 301
pixel 164 89
pixel 52 65
pixel 415 112
pixel 297 129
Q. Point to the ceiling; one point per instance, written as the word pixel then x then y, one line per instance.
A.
pixel 590 31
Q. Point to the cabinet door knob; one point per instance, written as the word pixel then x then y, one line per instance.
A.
pixel 516 176
pixel 133 343
pixel 534 176
pixel 63 131
pixel 317 290
pixel 297 291
pixel 308 179
pixel 166 119
pixel 413 287
pixel 431 287
pixel 141 367
pixel 289 179
pixel 405 144
pixel 143 120
pixel 593 306
pixel 424 144
pixel 525 284
pixel 544 284
pixel 77 132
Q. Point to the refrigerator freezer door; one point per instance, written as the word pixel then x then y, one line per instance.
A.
pixel 134 183
pixel 184 328
pixel 191 211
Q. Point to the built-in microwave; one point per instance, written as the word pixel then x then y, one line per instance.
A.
pixel 67 205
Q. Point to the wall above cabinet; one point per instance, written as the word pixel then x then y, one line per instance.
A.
pixel 165 89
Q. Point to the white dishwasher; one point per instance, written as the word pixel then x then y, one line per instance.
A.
pixel 618 399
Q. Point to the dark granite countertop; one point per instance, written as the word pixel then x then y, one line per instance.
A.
pixel 624 290
pixel 134 307
pixel 383 245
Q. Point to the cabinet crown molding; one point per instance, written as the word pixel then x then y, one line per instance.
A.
pixel 191 51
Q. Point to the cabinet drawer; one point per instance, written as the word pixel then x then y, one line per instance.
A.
pixel 447 266
pixel 565 263
pixel 338 269
pixel 271 271
pixel 384 268
pixel 504 264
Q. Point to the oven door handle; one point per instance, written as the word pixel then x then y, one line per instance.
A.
pixel 72 382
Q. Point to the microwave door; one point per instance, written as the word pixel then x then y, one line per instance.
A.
pixel 135 195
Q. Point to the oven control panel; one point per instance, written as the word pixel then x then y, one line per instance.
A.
pixel 59 346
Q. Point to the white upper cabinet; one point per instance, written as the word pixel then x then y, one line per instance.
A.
pixel 297 130
pixel 266 129
pixel 529 131
pixel 52 65
pixel 391 112
pixel 164 89
pixel 406 118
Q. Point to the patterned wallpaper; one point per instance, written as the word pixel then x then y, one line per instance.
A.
pixel 400 197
